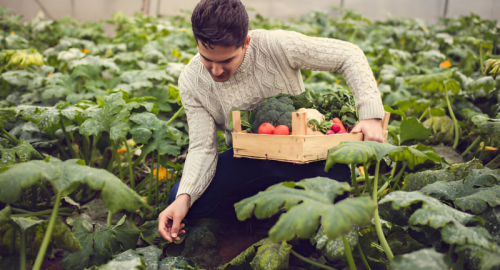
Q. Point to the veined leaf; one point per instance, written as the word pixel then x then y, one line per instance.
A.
pixel 441 128
pixel 65 177
pixel 177 263
pixel 272 256
pixel 333 249
pixel 5 215
pixel 307 202
pixel 409 154
pixel 112 118
pixel 398 112
pixel 358 152
pixel 99 243
pixel 5 115
pixel 132 264
pixel 487 84
pixel 414 261
pixel 24 151
pixel 150 255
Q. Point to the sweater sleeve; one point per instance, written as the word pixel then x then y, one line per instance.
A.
pixel 201 159
pixel 327 54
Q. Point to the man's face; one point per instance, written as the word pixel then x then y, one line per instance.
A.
pixel 222 61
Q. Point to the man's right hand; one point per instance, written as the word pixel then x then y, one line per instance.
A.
pixel 169 221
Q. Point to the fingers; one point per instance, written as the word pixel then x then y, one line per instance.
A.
pixel 163 229
pixel 176 226
pixel 356 128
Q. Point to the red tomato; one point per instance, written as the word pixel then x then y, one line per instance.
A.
pixel 266 128
pixel 281 130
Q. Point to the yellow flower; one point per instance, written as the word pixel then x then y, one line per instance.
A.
pixel 163 173
pixel 361 170
pixel 384 192
pixel 145 199
pixel 119 151
pixel 403 182
pixel 445 64
pixel 489 148
pixel 403 40
pixel 50 74
pixel 13 32
pixel 376 81
pixel 85 51
pixel 338 81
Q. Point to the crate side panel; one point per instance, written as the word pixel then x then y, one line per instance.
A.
pixel 316 147
pixel 275 147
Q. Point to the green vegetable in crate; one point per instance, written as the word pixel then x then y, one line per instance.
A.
pixel 277 111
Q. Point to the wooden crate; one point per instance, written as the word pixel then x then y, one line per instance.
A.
pixel 295 148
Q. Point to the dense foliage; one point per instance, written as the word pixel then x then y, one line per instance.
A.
pixel 93 136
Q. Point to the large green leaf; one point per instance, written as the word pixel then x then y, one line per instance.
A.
pixel 24 151
pixel 486 84
pixel 65 177
pixel 409 154
pixel 150 255
pixel 440 216
pixel 99 242
pixel 177 263
pixel 333 249
pixel 132 264
pixel 412 129
pixel 398 112
pixel 358 152
pixel 309 203
pixel 155 134
pixel 489 260
pixel 242 261
pixel 25 223
pixel 441 127
pixel 416 181
pixel 112 118
pixel 271 256
pixel 424 259
pixel 478 191
pixel 427 78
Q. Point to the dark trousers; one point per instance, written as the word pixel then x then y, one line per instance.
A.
pixel 238 178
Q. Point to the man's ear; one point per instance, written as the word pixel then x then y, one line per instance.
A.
pixel 247 41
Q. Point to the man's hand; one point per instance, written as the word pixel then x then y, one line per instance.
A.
pixel 371 129
pixel 169 221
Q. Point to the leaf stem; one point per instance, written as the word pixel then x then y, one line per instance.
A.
pixel 491 162
pixel 400 173
pixel 348 253
pixel 108 222
pixel 117 160
pixel 66 138
pixel 367 180
pixel 92 153
pixel 376 217
pixel 10 137
pixel 365 262
pixel 48 234
pixel 131 169
pixel 158 166
pixel 309 261
pixel 175 115
pixel 474 143
pixel 455 122
pixel 354 182
pixel 481 56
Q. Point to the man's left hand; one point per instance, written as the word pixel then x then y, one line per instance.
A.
pixel 371 129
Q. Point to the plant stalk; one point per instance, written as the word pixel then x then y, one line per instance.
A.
pixel 22 250
pixel 365 262
pixel 157 184
pixel 367 179
pixel 10 137
pixel 474 143
pixel 117 159
pixel 311 262
pixel 348 253
pixel 108 222
pixel 129 157
pixel 151 178
pixel 376 217
pixel 175 115
pixel 455 122
pixel 354 182
pixel 48 233
pixel 481 57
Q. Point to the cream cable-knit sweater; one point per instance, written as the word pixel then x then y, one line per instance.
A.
pixel 271 66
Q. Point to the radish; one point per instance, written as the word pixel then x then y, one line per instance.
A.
pixel 335 128
pixel 330 132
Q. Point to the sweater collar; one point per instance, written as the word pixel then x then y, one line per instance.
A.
pixel 246 60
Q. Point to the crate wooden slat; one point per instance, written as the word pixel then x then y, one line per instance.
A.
pixel 296 148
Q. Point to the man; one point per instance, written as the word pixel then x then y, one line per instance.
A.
pixel 236 68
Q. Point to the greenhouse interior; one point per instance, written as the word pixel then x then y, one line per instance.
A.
pixel 258 135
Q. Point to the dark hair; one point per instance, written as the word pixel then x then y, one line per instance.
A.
pixel 220 22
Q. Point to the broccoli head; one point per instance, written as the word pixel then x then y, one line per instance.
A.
pixel 277 111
